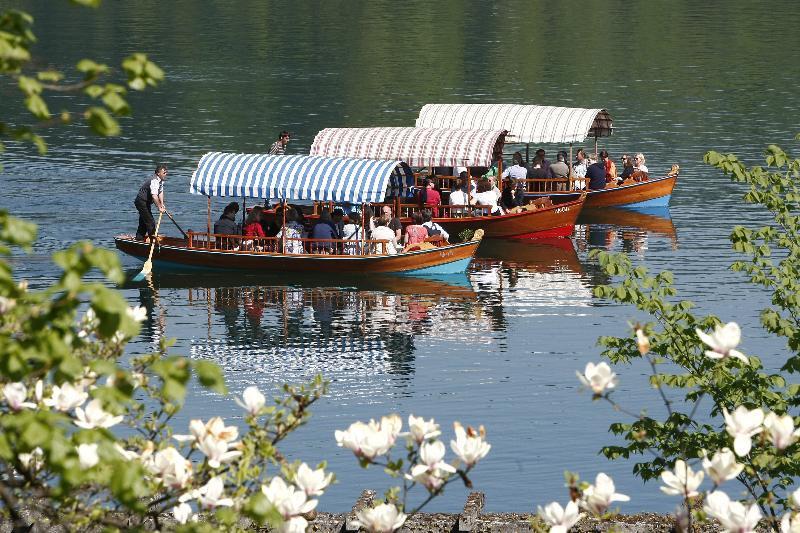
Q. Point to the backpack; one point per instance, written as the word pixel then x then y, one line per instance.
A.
pixel 433 229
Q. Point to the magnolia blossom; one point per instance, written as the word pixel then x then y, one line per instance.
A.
pixel 289 502
pixel 560 519
pixel 209 496
pixel 38 390
pixel 87 455
pixel 217 451
pixel 66 397
pixel 598 497
pixel 33 460
pixel 15 394
pixel 781 430
pixel 384 518
pixel 6 304
pixel 741 425
pixel 372 439
pixel 253 400
pixel 683 482
pixel 723 341
pixel 733 516
pixel 796 499
pixel 182 513
pixel 313 482
pixel 95 417
pixel 469 445
pixel 599 377
pixel 138 313
pixel 722 466
pixel 790 523
pixel 215 427
pixel 642 342
pixel 420 430
pixel 171 467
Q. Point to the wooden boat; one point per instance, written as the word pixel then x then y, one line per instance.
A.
pixel 301 178
pixel 541 255
pixel 655 220
pixel 545 124
pixel 450 147
pixel 556 220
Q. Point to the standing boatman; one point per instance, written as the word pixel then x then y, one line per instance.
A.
pixel 279 146
pixel 151 192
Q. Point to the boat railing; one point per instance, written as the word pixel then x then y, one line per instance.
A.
pixel 531 185
pixel 278 245
pixel 447 211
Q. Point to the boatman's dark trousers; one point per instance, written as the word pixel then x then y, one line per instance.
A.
pixel 147 224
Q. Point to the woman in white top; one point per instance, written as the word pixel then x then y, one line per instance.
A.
pixel 638 163
pixel 383 233
pixel 484 195
pixel 292 232
pixel 351 233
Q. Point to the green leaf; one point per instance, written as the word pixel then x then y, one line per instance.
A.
pixel 102 122
pixel 210 376
pixel 37 106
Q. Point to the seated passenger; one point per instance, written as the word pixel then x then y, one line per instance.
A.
pixel 507 197
pixel 327 230
pixel 383 233
pixel 638 163
pixel 226 225
pixel 518 170
pixel 579 169
pixel 291 233
pixel 596 173
pixel 352 234
pixel 484 195
pixel 429 196
pixel 627 167
pixel 611 168
pixel 415 232
pixel 559 171
pixel 252 225
pixel 432 227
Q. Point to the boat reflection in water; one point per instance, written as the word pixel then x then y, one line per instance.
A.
pixel 260 327
pixel 624 230
pixel 544 274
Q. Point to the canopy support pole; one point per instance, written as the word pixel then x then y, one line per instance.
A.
pixel 283 227
pixel 570 167
pixel 469 186
pixel 363 230
pixel 244 209
pixel 595 144
pixel 208 216
pixel 527 153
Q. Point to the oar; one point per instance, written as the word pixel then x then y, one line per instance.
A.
pixel 148 265
pixel 176 225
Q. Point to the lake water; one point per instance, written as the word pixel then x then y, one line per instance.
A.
pixel 497 346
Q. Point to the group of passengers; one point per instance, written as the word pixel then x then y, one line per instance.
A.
pixel 329 234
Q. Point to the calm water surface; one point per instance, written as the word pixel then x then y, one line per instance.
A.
pixel 497 346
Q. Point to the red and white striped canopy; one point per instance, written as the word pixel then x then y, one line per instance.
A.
pixel 417 147
pixel 525 123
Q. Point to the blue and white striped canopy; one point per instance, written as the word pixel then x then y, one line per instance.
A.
pixel 293 177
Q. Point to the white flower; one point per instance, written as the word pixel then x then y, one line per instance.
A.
pixel 722 466
pixel 723 341
pixel 289 502
pixel 560 519
pixel 469 445
pixel 215 427
pixel 384 518
pixel 421 430
pixel 126 454
pixel 171 467
pixel 15 394
pixel 598 377
pixel 313 482
pixel 431 480
pixel 33 460
pixel 183 513
pixel 683 481
pixel 6 304
pixel 38 390
pixel 253 400
pixel 741 425
pixel 733 516
pixel 87 455
pixel 642 342
pixel 598 497
pixel 790 523
pixel 781 430
pixel 138 313
pixel 95 417
pixel 209 496
pixel 365 440
pixel 66 397
pixel 796 499
pixel 217 451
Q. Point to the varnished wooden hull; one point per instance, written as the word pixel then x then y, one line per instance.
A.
pixel 650 193
pixel 554 221
pixel 175 254
pixel 540 255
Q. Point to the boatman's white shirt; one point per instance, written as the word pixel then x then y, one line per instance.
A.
pixel 156 186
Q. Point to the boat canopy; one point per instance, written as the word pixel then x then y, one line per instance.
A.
pixel 525 123
pixel 418 147
pixel 295 177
